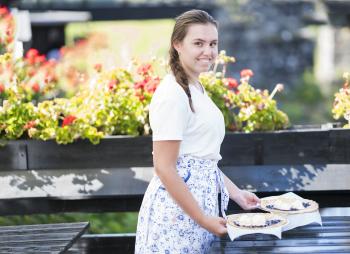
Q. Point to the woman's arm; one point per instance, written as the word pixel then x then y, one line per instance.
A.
pixel 232 189
pixel 245 199
pixel 165 155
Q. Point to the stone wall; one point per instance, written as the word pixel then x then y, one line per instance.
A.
pixel 277 39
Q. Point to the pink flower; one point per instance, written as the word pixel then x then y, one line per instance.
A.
pixel 98 67
pixel 113 84
pixel 30 124
pixel 261 106
pixel 152 85
pixel 246 73
pixel 144 69
pixel 31 72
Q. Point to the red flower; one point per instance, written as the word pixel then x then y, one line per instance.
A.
pixel 30 124
pixel 9 39
pixel 3 11
pixel 68 120
pixel 142 84
pixel 231 83
pixel 31 53
pixel 247 73
pixel 33 57
pixel 139 85
pixel 36 87
pixel 2 88
pixel 144 69
pixel 141 97
pixel 98 67
pixel 40 59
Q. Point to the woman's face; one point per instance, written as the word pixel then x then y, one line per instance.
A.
pixel 199 48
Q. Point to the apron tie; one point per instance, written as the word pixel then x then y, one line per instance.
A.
pixel 224 195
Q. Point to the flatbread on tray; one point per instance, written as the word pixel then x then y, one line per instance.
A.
pixel 256 220
pixel 288 205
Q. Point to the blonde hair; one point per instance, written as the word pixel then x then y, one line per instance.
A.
pixel 182 23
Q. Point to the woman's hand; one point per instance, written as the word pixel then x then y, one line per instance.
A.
pixel 215 225
pixel 246 200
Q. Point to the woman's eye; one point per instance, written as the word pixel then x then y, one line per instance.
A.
pixel 213 44
pixel 198 43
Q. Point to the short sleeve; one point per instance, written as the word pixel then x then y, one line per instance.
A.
pixel 168 118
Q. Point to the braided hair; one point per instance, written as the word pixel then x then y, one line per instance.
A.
pixel 182 23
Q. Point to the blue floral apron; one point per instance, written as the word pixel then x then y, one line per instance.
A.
pixel 163 227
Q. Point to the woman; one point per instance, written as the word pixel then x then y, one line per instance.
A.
pixel 180 210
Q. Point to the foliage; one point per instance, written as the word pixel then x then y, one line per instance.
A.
pixel 121 222
pixel 244 108
pixel 341 105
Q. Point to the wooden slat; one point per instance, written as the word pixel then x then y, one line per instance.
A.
pixel 44 238
pixel 57 226
pixel 279 147
pixel 291 177
pixel 79 183
pixel 305 146
pixel 339 141
pixel 31 250
pixel 111 152
pixel 13 155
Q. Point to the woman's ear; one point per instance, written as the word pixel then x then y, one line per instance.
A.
pixel 177 47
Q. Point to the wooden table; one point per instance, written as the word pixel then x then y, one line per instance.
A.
pixel 333 237
pixel 41 238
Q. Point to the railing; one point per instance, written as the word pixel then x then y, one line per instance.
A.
pixel 44 177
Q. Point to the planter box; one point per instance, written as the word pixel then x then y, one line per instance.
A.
pixel 299 146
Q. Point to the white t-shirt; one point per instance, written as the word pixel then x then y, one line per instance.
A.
pixel 201 133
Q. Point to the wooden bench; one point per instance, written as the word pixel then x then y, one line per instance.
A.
pixel 43 177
